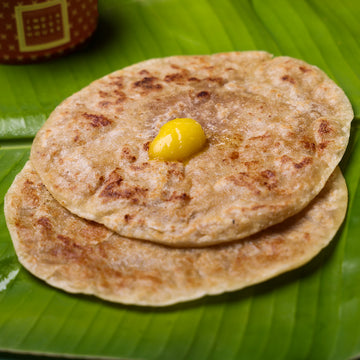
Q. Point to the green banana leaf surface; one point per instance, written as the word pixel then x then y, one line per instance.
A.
pixel 310 313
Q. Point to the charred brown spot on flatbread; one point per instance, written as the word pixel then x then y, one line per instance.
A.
pixel 303 162
pixel 114 180
pixel 285 159
pixel 178 77
pixel 103 94
pixel 66 248
pixel 27 190
pixel 117 95
pixel 128 217
pixel 304 69
pixel 194 79
pixel 127 154
pixel 324 127
pixel 148 83
pixel 243 179
pixel 288 78
pixel 116 188
pixel 120 96
pixel 96 120
pixel 267 174
pixel 139 166
pixel 270 180
pixel 218 80
pixel 175 172
pixel 104 104
pixel 146 146
pixel 45 222
pixel 234 155
pixel 203 94
pixel 117 81
pixel 309 145
pixel 323 145
pixel 175 196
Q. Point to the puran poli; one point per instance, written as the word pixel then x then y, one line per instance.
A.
pixel 276 129
pixel 77 255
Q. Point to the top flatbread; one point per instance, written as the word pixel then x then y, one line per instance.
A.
pixel 276 129
pixel 82 256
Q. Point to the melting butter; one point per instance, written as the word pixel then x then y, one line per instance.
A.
pixel 177 140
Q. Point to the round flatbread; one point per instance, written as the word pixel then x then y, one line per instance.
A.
pixel 276 128
pixel 77 255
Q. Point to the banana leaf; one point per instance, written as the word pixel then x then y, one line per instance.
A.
pixel 310 313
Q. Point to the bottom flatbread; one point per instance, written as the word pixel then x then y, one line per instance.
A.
pixel 80 256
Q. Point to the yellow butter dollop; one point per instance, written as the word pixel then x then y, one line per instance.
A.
pixel 177 139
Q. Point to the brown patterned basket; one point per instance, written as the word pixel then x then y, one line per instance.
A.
pixel 33 30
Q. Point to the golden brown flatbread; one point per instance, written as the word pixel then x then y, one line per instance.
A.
pixel 77 255
pixel 276 128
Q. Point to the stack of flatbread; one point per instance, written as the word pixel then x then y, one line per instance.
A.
pixel 91 213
